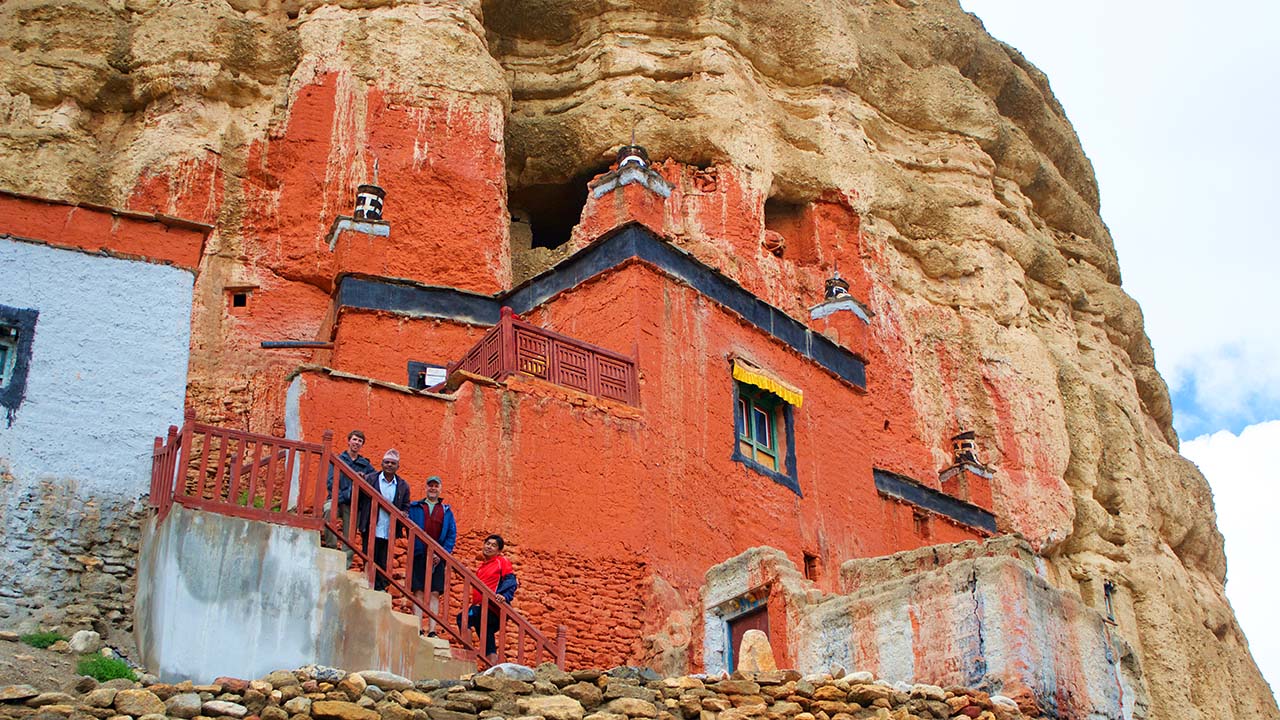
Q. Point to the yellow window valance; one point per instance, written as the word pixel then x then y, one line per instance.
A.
pixel 744 371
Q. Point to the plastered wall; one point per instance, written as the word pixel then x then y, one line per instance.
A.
pixel 972 614
pixel 108 364
pixel 107 373
pixel 226 596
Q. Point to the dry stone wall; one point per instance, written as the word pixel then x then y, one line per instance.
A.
pixel 510 691
pixel 68 561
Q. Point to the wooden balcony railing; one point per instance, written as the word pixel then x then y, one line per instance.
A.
pixel 514 345
pixel 259 477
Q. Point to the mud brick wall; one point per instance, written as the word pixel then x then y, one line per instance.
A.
pixel 600 601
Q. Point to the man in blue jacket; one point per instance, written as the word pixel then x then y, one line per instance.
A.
pixel 361 467
pixel 436 518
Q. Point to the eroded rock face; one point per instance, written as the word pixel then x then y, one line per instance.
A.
pixel 979 245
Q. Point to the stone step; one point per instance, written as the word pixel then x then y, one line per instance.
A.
pixel 438 647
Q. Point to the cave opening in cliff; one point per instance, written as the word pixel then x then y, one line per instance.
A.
pixel 551 210
pixel 783 222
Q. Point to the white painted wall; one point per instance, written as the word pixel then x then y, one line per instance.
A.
pixel 108 365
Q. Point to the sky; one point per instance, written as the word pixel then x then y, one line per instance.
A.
pixel 1175 104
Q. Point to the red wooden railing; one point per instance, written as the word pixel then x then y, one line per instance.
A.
pixel 517 640
pixel 514 345
pixel 259 477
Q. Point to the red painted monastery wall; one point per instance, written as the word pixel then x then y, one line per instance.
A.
pixel 564 475
pixel 101 230
pixel 273 199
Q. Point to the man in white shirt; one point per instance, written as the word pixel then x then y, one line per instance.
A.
pixel 394 490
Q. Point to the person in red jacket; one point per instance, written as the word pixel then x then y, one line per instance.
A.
pixel 494 566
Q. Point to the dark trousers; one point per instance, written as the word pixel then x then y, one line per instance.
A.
pixel 380 559
pixel 330 539
pixel 473 622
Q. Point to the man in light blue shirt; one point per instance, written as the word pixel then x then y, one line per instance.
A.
pixel 395 490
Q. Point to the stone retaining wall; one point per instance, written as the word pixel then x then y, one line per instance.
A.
pixel 68 561
pixel 510 691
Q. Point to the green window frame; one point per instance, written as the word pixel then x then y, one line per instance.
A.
pixel 757 424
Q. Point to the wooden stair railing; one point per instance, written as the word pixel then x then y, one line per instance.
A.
pixel 530 646
pixel 270 479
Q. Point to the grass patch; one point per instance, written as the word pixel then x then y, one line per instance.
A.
pixel 102 668
pixel 41 639
pixel 259 502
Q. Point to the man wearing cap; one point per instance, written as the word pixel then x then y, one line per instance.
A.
pixel 436 518
pixel 396 491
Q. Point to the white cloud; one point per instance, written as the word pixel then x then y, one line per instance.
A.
pixel 1245 477
pixel 1175 106
pixel 1227 386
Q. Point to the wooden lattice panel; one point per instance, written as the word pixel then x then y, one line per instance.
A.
pixel 532 353
pixel 615 379
pixel 572 367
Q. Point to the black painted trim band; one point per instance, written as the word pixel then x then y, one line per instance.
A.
pixel 610 251
pixel 11 395
pixel 904 488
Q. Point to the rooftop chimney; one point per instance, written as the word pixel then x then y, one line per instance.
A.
pixel 633 155
pixel 369 198
pixel 964 448
pixel 837 287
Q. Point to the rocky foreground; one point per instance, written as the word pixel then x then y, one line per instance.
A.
pixel 509 691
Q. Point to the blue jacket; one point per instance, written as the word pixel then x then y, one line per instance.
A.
pixel 448 528
pixel 360 465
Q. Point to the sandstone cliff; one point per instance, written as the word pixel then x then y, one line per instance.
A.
pixel 982 251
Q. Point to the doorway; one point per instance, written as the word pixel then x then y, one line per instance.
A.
pixel 756 619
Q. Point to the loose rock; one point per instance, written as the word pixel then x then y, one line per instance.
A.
pixel 183 705
pixel 353 686
pixel 584 692
pixel 280 679
pixel 631 707
pixel 386 680
pixel 511 671
pixel 138 703
pixel 14 693
pixel 334 710
pixel 755 653
pixel 552 707
pixel 50 698
pixel 216 708
pixel 85 642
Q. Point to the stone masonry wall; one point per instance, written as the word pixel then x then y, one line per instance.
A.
pixel 68 561
pixel 511 691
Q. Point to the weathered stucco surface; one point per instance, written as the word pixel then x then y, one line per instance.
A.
pixel 974 614
pixel 74 455
pixel 90 409
pixel 929 160
pixel 206 582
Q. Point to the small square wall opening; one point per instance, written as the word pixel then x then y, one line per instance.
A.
pixel 425 375
pixel 921 522
pixel 239 299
